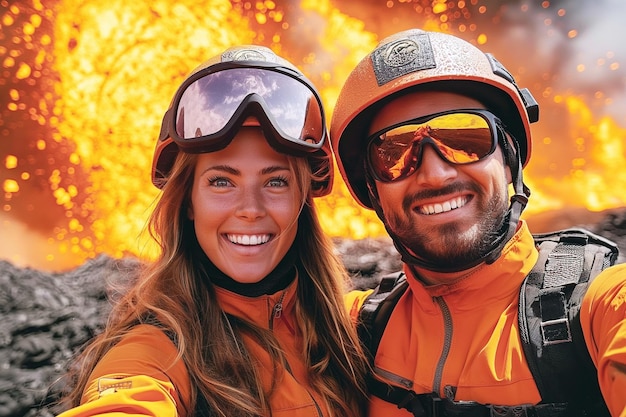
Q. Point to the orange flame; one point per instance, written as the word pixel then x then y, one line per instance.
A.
pixel 85 85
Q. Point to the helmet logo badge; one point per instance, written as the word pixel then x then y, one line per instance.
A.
pixel 247 54
pixel 402 57
pixel 401 53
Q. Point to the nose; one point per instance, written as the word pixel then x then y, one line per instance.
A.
pixel 251 205
pixel 434 171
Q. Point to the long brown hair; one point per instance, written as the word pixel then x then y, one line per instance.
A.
pixel 224 377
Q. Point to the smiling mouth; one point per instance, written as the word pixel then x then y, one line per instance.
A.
pixel 444 207
pixel 248 240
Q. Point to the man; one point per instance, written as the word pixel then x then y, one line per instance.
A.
pixel 431 133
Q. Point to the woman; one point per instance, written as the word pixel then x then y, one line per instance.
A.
pixel 242 313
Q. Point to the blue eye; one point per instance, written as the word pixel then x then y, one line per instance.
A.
pixel 219 182
pixel 278 182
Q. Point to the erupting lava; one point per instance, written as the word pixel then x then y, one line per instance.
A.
pixel 84 86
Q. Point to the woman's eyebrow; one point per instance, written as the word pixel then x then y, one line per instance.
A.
pixel 234 171
pixel 275 168
pixel 225 168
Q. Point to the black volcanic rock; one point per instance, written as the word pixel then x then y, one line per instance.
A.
pixel 47 317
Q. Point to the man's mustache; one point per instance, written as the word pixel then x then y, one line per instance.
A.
pixel 409 200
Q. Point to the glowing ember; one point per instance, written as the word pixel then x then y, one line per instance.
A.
pixel 84 86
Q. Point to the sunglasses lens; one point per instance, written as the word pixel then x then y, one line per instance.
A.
pixel 208 104
pixel 460 138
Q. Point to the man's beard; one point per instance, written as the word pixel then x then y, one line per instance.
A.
pixel 455 244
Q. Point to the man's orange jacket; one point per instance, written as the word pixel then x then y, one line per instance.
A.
pixel 464 338
pixel 142 376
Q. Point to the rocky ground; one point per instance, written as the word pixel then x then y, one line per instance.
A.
pixel 47 316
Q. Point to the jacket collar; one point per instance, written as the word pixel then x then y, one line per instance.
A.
pixel 486 281
pixel 261 309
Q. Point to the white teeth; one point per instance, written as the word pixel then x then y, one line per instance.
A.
pixel 249 240
pixel 443 207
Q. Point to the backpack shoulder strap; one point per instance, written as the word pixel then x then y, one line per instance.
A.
pixel 377 308
pixel 549 321
pixel 373 318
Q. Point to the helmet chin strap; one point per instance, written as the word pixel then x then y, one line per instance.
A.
pixel 507 230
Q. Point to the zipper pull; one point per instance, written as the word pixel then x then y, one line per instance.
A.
pixel 278 310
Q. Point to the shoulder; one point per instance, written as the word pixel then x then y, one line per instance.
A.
pixel 145 341
pixel 144 349
pixel 604 307
pixel 603 320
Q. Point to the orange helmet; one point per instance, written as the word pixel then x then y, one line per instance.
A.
pixel 217 98
pixel 429 60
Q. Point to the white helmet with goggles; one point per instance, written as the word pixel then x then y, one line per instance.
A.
pixel 215 100
pixel 416 60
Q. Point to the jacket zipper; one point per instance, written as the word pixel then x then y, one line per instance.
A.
pixel 447 343
pixel 277 311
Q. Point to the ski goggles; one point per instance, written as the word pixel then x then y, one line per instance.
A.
pixel 212 104
pixel 459 137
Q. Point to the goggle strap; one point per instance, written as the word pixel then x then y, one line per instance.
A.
pixel 165 126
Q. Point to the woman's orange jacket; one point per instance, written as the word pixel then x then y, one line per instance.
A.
pixel 141 375
pixel 486 361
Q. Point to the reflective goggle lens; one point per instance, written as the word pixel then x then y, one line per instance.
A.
pixel 460 137
pixel 208 104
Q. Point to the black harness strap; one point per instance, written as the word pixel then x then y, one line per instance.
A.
pixel 431 405
pixel 549 318
pixel 378 308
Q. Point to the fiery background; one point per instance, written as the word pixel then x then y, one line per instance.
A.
pixel 85 83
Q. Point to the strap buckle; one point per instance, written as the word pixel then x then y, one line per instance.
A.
pixel 555 326
pixel 512 411
pixel 556 331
